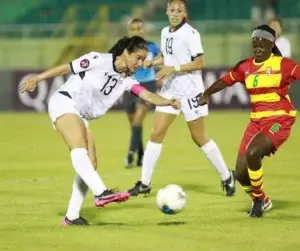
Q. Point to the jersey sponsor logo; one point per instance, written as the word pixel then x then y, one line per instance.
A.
pixel 84 63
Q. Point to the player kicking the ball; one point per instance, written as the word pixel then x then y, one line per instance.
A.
pixel 98 81
pixel 182 57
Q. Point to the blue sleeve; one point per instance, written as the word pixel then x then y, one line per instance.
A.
pixel 154 49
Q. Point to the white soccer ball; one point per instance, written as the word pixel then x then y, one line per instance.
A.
pixel 171 199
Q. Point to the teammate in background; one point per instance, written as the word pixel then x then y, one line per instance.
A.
pixel 182 56
pixel 98 81
pixel 267 77
pixel 281 42
pixel 136 108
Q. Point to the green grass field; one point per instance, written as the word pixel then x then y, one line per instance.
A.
pixel 36 180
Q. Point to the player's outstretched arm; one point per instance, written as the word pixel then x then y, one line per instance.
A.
pixel 234 75
pixel 157 61
pixel 217 86
pixel 31 83
pixel 155 99
pixel 196 64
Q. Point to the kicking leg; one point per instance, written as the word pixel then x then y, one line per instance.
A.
pixel 73 131
pixel 80 189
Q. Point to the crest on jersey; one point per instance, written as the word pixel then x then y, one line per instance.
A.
pixel 84 63
pixel 268 70
pixel 274 128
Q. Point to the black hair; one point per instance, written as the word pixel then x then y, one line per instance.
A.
pixel 275 49
pixel 131 44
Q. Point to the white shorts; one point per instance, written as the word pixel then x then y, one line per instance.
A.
pixel 60 104
pixel 189 107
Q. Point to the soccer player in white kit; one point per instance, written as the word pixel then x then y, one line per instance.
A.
pixel 97 82
pixel 182 56
pixel 282 41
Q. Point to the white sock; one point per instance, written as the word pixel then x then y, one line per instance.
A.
pixel 215 157
pixel 78 194
pixel 84 168
pixel 150 158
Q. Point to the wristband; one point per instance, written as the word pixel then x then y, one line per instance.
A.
pixel 177 67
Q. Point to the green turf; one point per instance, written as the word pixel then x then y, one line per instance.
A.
pixel 36 179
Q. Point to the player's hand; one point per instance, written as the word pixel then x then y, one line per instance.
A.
pixel 165 72
pixel 203 100
pixel 29 85
pixel 175 103
pixel 147 63
pixel 159 84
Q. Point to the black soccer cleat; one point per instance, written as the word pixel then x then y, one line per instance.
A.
pixel 129 161
pixel 79 222
pixel 257 209
pixel 139 161
pixel 139 188
pixel 229 184
pixel 267 205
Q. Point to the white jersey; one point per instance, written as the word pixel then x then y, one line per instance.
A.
pixel 95 85
pixel 178 48
pixel 284 46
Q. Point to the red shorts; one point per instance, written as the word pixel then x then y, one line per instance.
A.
pixel 278 130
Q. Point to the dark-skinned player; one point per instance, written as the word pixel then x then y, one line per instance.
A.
pixel 267 77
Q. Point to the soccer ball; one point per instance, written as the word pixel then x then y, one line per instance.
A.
pixel 171 199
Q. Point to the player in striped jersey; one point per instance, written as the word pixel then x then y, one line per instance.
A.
pixel 98 81
pixel 267 77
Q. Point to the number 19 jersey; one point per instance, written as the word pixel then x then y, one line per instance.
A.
pixel 95 85
pixel 181 47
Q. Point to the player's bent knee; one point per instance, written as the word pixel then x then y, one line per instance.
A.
pixel 137 122
pixel 253 153
pixel 77 142
pixel 200 139
pixel 157 136
pixel 240 175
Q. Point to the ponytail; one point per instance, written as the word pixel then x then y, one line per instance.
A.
pixel 276 51
pixel 130 44
pixel 120 46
